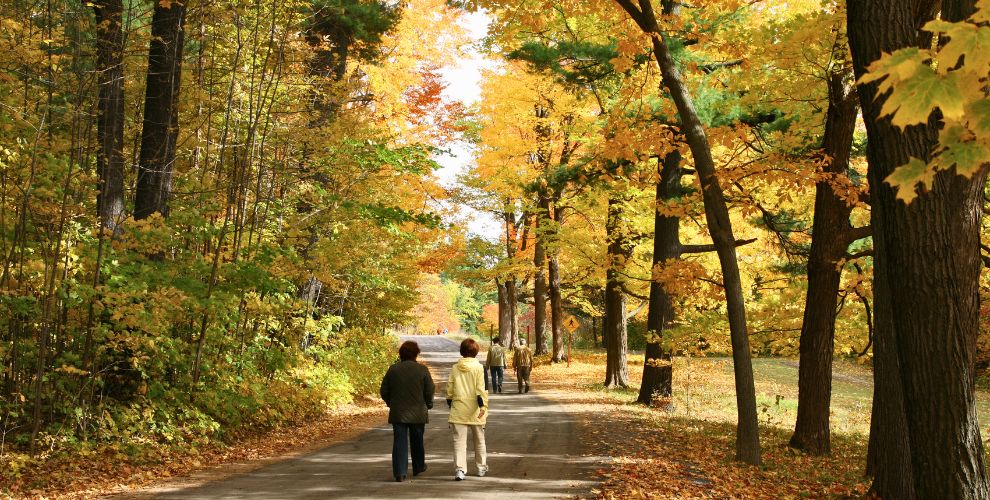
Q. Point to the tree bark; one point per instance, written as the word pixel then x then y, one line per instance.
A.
pixel 556 303
pixel 110 110
pixel 926 270
pixel 829 241
pixel 719 226
pixel 504 312
pixel 619 251
pixel 539 280
pixel 512 298
pixel 657 369
pixel 161 110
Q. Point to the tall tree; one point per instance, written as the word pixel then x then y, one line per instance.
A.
pixel 719 225
pixel 161 110
pixel 542 216
pixel 553 276
pixel 620 249
pixel 110 108
pixel 926 274
pixel 830 238
pixel 657 368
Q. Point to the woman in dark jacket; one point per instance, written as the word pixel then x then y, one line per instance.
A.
pixel 407 389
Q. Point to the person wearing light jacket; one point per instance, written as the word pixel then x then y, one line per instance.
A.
pixel 496 363
pixel 468 402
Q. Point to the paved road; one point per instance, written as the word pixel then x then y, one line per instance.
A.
pixel 533 452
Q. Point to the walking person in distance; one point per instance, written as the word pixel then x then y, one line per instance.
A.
pixel 496 363
pixel 407 389
pixel 468 402
pixel 522 361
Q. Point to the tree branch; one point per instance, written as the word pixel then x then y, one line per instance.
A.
pixel 635 14
pixel 629 292
pixel 869 314
pixel 858 233
pixel 857 255
pixel 711 67
pixel 711 247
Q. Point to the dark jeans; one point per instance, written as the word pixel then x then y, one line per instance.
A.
pixel 402 436
pixel 498 373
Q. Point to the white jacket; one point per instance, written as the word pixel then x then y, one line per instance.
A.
pixel 466 383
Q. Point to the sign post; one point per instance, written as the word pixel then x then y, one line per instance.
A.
pixel 572 325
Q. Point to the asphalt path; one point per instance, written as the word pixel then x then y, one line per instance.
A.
pixel 534 451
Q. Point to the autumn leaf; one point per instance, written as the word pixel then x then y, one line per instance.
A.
pixel 906 179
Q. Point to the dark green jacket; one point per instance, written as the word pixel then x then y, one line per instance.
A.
pixel 407 389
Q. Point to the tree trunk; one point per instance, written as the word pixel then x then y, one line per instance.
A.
pixel 926 270
pixel 619 251
pixel 720 227
pixel 829 241
pixel 539 281
pixel 504 312
pixel 513 302
pixel 161 110
pixel 110 108
pixel 657 369
pixel 556 304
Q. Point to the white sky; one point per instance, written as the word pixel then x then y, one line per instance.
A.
pixel 464 84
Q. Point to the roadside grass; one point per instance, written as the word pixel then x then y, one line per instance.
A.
pixel 688 451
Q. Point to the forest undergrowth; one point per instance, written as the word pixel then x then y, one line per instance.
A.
pixel 323 398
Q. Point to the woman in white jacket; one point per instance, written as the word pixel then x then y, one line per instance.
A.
pixel 468 402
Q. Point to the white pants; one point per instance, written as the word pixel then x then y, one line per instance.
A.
pixel 460 447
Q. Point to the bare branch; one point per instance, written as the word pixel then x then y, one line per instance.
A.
pixel 857 255
pixel 711 247
pixel 711 67
pixel 858 233
pixel 869 313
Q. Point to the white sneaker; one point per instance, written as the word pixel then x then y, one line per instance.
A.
pixel 482 472
pixel 459 475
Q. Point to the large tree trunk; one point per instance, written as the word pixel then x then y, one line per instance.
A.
pixel 657 369
pixel 504 311
pixel 556 304
pixel 513 303
pixel 110 108
pixel 926 272
pixel 619 251
pixel 539 281
pixel 719 226
pixel 161 110
pixel 829 241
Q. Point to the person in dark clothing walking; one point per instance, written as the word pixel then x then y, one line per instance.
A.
pixel 408 389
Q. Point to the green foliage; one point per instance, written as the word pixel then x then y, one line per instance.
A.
pixel 291 240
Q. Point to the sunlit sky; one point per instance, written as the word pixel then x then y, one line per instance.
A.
pixel 464 84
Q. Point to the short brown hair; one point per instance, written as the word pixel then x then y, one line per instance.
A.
pixel 469 348
pixel 408 351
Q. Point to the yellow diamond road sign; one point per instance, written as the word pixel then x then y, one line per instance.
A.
pixel 571 324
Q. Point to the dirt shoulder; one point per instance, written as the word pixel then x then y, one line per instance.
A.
pixel 109 474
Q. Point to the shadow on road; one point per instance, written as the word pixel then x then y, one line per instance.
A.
pixel 533 452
